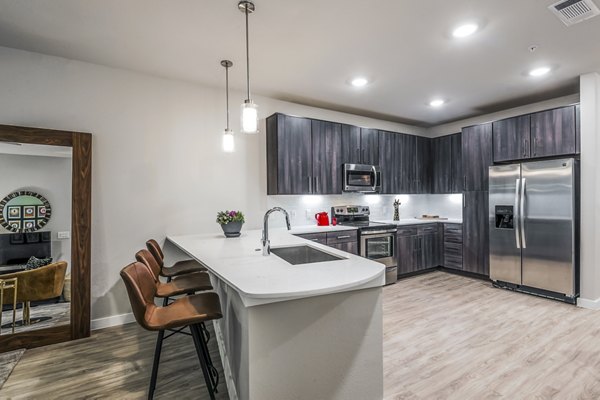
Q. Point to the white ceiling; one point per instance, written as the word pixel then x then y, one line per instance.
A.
pixel 306 51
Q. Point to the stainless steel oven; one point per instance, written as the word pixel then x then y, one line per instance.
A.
pixel 362 178
pixel 380 246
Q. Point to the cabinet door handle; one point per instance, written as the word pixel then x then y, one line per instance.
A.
pixel 316 178
pixel 315 240
pixel 344 237
pixel 358 155
pixel 310 184
pixel 464 182
pixel 534 146
pixel 525 148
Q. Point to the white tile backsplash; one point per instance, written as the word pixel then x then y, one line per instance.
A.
pixel 303 208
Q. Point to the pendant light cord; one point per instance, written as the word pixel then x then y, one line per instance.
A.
pixel 247 56
pixel 227 94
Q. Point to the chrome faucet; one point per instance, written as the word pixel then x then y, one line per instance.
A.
pixel 266 244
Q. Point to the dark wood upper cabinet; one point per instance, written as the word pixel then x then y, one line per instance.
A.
pixel 553 132
pixel 476 156
pixel 441 154
pixel 578 128
pixel 388 162
pixel 406 150
pixel 369 146
pixel 289 155
pixel 511 138
pixel 456 181
pixel 423 167
pixel 351 144
pixel 327 162
pixel 476 246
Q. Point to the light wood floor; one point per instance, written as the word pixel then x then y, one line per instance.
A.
pixel 445 337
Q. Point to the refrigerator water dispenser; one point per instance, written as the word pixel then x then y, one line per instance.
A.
pixel 504 217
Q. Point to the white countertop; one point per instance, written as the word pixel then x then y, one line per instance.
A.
pixel 260 280
pixel 415 221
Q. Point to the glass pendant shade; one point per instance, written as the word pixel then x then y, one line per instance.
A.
pixel 249 117
pixel 228 141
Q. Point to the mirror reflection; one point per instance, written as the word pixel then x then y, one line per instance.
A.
pixel 35 245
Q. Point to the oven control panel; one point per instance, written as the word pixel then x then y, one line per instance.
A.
pixel 351 210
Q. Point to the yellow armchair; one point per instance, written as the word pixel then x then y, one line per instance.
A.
pixel 42 283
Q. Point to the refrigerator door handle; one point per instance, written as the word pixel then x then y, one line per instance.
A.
pixel 522 213
pixel 516 217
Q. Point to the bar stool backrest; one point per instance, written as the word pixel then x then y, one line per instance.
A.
pixel 141 290
pixel 156 251
pixel 145 257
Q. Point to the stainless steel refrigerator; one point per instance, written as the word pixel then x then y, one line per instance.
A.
pixel 534 224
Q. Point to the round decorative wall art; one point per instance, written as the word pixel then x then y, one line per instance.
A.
pixel 24 211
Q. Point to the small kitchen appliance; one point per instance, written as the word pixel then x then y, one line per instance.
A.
pixel 322 219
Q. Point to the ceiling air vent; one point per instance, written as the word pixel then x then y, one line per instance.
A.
pixel 571 12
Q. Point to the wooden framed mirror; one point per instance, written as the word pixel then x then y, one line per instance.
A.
pixel 76 149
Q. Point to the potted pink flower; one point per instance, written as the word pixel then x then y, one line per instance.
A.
pixel 231 222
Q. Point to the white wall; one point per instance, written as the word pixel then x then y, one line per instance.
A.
pixel 590 190
pixel 50 177
pixel 158 168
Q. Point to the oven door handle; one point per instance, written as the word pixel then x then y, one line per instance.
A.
pixel 388 232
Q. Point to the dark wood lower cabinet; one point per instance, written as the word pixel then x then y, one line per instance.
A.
pixel 418 247
pixel 406 254
pixel 453 247
pixel 476 246
pixel 348 247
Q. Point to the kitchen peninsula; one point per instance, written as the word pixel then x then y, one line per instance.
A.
pixel 311 330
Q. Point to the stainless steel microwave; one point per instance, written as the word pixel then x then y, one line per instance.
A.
pixel 362 178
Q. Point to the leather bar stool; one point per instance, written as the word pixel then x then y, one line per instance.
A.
pixel 187 311
pixel 177 269
pixel 185 284
pixel 179 285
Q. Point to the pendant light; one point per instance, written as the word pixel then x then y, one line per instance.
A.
pixel 249 109
pixel 228 141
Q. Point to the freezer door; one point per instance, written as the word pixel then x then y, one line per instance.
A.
pixel 548 227
pixel 505 240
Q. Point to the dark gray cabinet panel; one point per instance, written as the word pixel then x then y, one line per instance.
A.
pixel 369 146
pixel 456 182
pixel 406 149
pixel 326 157
pixel 511 138
pixel 475 233
pixel 350 144
pixel 349 247
pixel 423 167
pixel 553 132
pixel 388 161
pixel 453 248
pixel 441 155
pixel 289 159
pixel 476 156
pixel 406 254
pixel 315 237
pixel 342 237
pixel 429 250
pixel 578 128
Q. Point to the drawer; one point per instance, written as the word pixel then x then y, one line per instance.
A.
pixel 453 262
pixel 453 233
pixel 342 237
pixel 315 237
pixel 407 231
pixel 427 228
pixel 453 249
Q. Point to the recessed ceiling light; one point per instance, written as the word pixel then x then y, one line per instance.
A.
pixel 465 30
pixel 359 82
pixel 541 71
pixel 437 103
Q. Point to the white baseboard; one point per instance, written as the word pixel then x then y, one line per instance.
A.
pixel 589 304
pixel 113 320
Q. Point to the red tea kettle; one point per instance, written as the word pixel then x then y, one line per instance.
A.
pixel 322 219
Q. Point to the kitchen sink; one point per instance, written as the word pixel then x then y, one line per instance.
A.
pixel 304 254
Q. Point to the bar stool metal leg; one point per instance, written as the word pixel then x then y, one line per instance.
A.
pixel 205 371
pixel 157 350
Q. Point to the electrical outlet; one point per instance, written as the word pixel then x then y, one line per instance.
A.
pixel 64 235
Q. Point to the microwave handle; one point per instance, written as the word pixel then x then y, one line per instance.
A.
pixel 374 177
